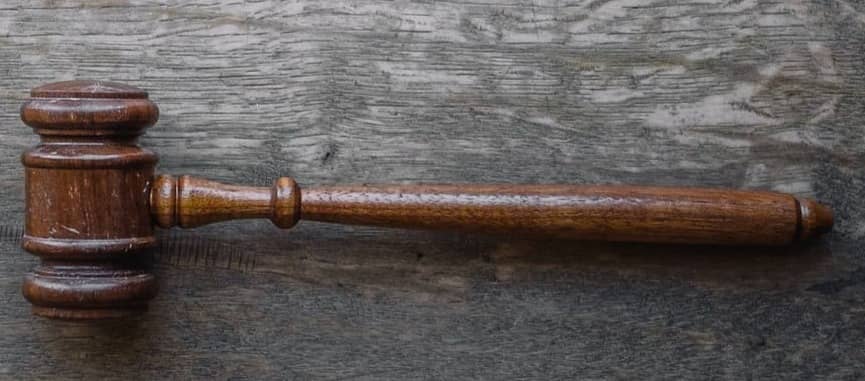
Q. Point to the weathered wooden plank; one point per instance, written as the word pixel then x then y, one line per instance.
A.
pixel 749 94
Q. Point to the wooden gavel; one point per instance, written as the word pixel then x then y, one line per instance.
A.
pixel 92 201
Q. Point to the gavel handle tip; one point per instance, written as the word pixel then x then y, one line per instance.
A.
pixel 825 218
pixel 815 219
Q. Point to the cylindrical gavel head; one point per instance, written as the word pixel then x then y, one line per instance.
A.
pixel 87 214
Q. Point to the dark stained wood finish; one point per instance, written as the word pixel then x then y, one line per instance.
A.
pixel 189 202
pixel 87 212
pixel 605 213
pixel 92 202
pixel 736 94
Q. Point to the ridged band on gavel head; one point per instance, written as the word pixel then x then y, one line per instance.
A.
pixel 87 214
pixel 88 109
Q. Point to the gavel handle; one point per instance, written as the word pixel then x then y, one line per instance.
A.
pixel 608 213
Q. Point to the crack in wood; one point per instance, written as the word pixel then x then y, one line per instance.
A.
pixel 187 250
pixel 11 233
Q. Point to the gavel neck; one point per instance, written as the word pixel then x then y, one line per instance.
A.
pixel 188 202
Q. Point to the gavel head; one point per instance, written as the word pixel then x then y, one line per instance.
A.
pixel 87 215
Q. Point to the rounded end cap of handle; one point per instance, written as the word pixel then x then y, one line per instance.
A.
pixel 815 219
pixel 825 218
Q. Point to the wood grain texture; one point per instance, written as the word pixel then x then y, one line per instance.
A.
pixel 744 94
pixel 189 202
pixel 578 212
pixel 86 188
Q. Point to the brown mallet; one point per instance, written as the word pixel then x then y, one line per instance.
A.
pixel 93 201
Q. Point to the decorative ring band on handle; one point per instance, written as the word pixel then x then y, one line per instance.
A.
pixel 93 201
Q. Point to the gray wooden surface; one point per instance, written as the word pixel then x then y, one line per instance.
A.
pixel 746 94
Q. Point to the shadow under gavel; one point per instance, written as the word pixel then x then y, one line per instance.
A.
pixel 93 201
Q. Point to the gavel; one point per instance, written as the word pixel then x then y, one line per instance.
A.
pixel 93 202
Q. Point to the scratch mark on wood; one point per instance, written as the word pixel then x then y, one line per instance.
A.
pixel 186 250
pixel 11 233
